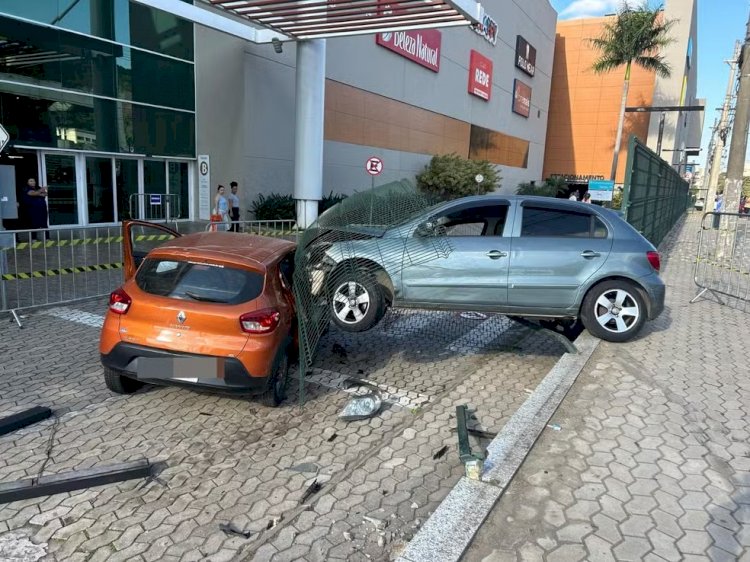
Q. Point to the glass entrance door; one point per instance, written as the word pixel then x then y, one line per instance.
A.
pixel 60 180
pixel 99 192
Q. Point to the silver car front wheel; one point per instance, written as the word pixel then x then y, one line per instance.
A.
pixel 356 302
pixel 351 301
pixel 617 311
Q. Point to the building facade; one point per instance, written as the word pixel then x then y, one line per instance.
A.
pixel 584 106
pixel 108 102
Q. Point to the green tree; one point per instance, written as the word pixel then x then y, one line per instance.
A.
pixel 450 176
pixel 552 187
pixel 636 36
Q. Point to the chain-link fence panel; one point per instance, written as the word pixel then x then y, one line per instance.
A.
pixel 347 261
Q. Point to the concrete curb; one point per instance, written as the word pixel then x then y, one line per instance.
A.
pixel 451 528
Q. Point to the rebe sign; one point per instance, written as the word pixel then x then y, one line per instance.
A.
pixel 480 75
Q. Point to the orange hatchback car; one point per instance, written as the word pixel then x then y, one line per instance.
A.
pixel 212 310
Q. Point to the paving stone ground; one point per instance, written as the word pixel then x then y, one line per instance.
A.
pixel 652 461
pixel 231 460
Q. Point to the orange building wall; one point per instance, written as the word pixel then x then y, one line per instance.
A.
pixel 584 107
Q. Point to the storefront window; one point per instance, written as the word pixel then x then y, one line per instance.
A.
pixel 62 200
pixel 126 22
pixel 126 182
pixel 99 190
pixel 178 185
pixel 38 55
pixel 44 118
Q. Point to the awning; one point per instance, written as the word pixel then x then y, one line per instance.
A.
pixel 264 21
pixel 332 18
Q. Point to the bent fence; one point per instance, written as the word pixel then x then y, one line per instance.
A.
pixel 52 267
pixel 722 265
pixel 654 196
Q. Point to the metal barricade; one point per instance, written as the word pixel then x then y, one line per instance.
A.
pixel 48 267
pixel 155 206
pixel 722 265
pixel 276 229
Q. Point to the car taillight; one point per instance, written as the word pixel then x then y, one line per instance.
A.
pixel 260 322
pixel 119 301
pixel 654 260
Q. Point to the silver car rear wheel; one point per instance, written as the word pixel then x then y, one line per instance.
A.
pixel 614 310
pixel 617 311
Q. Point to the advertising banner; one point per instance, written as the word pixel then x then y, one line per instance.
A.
pixel 480 75
pixel 421 46
pixel 525 56
pixel 521 98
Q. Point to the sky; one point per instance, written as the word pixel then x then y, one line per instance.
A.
pixel 718 29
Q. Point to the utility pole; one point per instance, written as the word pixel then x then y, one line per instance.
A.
pixel 738 148
pixel 722 133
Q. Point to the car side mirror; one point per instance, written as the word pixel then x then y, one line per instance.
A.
pixel 425 229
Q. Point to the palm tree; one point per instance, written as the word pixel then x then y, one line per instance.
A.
pixel 636 36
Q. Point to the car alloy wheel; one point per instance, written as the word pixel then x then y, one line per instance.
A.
pixel 351 301
pixel 617 311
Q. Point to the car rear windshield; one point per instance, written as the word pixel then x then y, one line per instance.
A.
pixel 198 281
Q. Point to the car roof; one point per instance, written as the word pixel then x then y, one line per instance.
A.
pixel 262 250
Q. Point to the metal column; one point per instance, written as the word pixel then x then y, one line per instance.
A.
pixel 308 137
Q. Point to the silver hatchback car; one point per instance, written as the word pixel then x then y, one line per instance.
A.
pixel 515 255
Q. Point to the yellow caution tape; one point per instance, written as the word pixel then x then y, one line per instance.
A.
pixel 86 241
pixel 61 271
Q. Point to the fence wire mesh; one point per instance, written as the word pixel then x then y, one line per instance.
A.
pixel 722 266
pixel 655 196
pixel 345 262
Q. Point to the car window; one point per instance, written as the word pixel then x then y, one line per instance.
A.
pixel 479 220
pixel 286 267
pixel 198 281
pixel 555 223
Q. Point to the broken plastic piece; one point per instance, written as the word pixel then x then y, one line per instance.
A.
pixel 230 529
pixel 554 426
pixel 362 407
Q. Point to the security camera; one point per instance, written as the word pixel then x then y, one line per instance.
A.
pixel 278 46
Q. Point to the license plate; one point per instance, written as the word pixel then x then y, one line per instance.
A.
pixel 186 369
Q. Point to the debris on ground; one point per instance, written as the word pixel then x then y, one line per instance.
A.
pixel 273 522
pixel 230 529
pixel 554 426
pixel 378 523
pixel 362 406
pixel 305 467
pixel 414 505
pixel 347 536
pixel 312 489
pixel 441 453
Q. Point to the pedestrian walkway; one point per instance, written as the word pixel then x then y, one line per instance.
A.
pixel 651 459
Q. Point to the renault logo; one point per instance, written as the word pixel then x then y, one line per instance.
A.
pixel 181 317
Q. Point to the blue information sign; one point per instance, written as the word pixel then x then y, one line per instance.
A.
pixel 601 190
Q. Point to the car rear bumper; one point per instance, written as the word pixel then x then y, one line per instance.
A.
pixel 656 294
pixel 156 366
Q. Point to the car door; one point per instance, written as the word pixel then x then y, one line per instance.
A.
pixel 555 248
pixel 138 239
pixel 472 268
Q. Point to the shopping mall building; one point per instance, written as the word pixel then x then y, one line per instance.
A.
pixel 585 106
pixel 109 101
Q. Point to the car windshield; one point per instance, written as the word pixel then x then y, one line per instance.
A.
pixel 202 282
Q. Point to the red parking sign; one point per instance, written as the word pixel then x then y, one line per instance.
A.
pixel 374 166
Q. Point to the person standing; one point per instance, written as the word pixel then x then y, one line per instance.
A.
pixel 35 203
pixel 573 196
pixel 221 208
pixel 587 198
pixel 234 201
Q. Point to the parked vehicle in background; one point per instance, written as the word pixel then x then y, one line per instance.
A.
pixel 516 255
pixel 212 310
pixel 700 203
